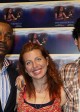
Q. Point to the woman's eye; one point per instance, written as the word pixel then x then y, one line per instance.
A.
pixel 28 63
pixel 39 59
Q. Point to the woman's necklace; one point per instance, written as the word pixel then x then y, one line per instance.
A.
pixel 39 90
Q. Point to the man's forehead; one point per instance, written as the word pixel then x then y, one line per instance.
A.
pixel 5 27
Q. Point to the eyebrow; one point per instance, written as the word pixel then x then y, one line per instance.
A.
pixel 7 33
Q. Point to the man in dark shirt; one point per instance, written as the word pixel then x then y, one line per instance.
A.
pixel 8 72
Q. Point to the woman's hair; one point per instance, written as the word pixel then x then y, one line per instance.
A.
pixel 53 79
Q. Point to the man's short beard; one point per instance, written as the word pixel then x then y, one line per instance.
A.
pixel 2 57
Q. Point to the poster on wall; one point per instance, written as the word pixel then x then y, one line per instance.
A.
pixel 64 15
pixel 40 14
pixel 14 16
pixel 56 41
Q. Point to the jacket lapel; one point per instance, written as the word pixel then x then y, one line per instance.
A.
pixel 12 78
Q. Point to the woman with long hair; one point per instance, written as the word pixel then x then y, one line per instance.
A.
pixel 44 89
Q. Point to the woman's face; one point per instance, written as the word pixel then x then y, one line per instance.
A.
pixel 10 10
pixel 35 64
pixel 61 8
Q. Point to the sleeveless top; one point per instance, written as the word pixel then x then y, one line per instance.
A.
pixel 23 106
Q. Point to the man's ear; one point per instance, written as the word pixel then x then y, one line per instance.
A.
pixel 76 42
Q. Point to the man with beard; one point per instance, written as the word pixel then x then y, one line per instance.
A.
pixel 70 74
pixel 8 73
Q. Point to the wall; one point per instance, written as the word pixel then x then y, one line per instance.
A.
pixel 40 19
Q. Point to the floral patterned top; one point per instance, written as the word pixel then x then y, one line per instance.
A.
pixel 24 106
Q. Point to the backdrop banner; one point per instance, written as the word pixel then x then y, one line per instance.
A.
pixel 40 14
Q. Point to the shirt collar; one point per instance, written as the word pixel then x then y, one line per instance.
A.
pixel 78 61
pixel 6 62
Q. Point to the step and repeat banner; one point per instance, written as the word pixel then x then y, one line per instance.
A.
pixel 50 23
pixel 55 40
pixel 40 14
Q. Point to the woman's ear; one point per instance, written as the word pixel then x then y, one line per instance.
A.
pixel 76 42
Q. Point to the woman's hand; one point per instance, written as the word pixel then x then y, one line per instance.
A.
pixel 20 82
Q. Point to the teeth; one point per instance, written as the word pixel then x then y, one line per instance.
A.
pixel 37 71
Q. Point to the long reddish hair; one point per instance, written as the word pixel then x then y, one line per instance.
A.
pixel 53 75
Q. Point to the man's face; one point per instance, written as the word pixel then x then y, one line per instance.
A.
pixel 77 43
pixel 6 38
